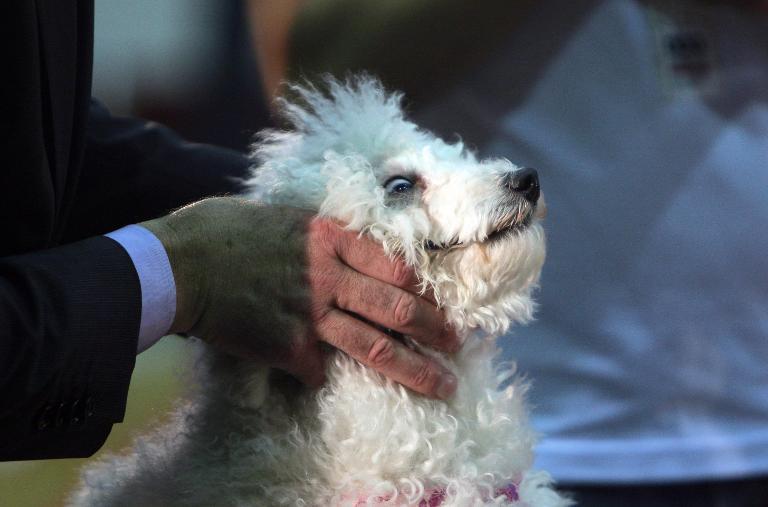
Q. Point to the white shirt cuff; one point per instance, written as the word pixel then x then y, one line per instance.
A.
pixel 158 288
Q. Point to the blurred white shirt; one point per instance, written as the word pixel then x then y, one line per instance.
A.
pixel 648 358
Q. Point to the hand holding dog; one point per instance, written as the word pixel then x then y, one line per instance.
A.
pixel 270 283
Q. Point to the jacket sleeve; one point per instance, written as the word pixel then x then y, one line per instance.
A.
pixel 70 315
pixel 134 170
pixel 69 319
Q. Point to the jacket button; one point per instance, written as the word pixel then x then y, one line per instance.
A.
pixel 89 407
pixel 61 413
pixel 76 416
pixel 44 421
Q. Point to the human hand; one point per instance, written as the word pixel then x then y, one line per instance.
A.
pixel 270 283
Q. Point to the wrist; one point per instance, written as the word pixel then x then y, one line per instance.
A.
pixel 186 285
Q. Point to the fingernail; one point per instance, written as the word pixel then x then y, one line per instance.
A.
pixel 447 386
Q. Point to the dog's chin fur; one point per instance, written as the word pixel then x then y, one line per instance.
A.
pixel 246 438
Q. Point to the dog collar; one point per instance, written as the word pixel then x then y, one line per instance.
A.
pixel 435 497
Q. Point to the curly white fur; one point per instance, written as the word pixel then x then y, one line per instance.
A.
pixel 248 438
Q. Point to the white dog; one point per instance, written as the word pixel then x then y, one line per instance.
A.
pixel 471 229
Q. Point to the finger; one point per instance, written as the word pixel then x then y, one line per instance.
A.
pixel 429 295
pixel 307 364
pixel 366 256
pixel 390 358
pixel 396 309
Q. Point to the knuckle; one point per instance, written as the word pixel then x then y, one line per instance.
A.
pixel 340 299
pixel 426 378
pixel 318 226
pixel 381 353
pixel 319 314
pixel 340 288
pixel 405 310
pixel 325 280
pixel 401 274
pixel 325 234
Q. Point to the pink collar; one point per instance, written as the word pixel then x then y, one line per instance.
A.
pixel 435 497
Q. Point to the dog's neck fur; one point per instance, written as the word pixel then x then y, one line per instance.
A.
pixel 367 434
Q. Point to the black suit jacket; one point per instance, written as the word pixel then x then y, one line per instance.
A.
pixel 70 301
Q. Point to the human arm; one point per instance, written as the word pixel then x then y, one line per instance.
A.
pixel 70 315
pixel 272 283
pixel 160 172
pixel 134 170
pixel 69 320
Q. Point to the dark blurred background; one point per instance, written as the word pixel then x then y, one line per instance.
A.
pixel 188 64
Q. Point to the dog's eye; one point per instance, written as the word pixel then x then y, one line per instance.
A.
pixel 398 185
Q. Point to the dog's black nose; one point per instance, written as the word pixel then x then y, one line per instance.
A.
pixel 524 182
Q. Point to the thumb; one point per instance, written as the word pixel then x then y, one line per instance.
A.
pixel 308 366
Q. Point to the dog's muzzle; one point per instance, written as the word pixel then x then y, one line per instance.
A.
pixel 523 190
